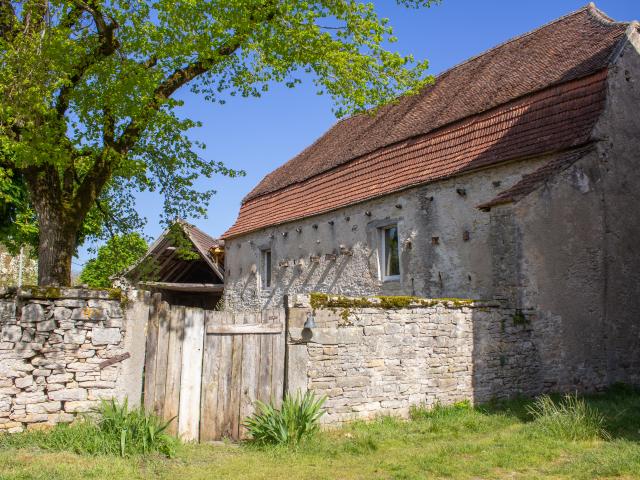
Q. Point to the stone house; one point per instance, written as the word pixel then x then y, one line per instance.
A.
pixel 487 227
pixel 513 177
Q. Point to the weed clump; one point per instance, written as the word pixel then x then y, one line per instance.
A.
pixel 297 419
pixel 569 418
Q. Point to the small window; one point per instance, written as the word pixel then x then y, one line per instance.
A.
pixel 266 268
pixel 390 253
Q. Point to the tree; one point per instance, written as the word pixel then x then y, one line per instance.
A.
pixel 88 110
pixel 113 258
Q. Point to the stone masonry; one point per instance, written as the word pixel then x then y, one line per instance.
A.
pixel 375 361
pixel 53 345
pixel 10 265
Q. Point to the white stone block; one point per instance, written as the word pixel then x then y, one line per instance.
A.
pixel 24 382
pixel 32 313
pixel 106 336
pixel 69 394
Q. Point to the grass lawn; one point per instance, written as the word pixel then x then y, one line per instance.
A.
pixel 493 441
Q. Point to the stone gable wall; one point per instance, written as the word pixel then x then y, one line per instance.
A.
pixel 52 354
pixel 376 361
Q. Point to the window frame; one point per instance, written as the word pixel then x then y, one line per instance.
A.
pixel 266 271
pixel 382 253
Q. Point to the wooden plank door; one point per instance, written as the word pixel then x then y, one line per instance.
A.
pixel 240 367
pixel 205 369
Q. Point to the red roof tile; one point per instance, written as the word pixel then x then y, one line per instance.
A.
pixel 537 93
pixel 203 241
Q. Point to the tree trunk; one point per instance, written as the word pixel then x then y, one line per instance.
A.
pixel 57 228
pixel 55 250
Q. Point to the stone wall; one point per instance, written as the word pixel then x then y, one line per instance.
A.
pixel 370 361
pixel 62 351
pixel 10 266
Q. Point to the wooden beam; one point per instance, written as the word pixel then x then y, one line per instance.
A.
pixel 206 258
pixel 243 328
pixel 184 287
pixel 166 275
pixel 114 360
pixel 184 271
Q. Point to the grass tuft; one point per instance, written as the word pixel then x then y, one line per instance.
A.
pixel 297 419
pixel 495 440
pixel 569 418
pixel 116 431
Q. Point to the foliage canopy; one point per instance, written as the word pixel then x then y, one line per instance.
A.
pixel 88 113
pixel 118 254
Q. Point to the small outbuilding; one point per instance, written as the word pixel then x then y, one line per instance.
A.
pixel 184 264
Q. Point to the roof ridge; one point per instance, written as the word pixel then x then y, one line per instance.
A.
pixel 632 26
pixel 598 15
pixel 601 16
pixel 591 8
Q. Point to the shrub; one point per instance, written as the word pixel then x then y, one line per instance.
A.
pixel 296 419
pixel 569 418
pixel 116 431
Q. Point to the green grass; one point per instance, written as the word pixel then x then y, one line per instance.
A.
pixel 569 418
pixel 498 440
pixel 115 430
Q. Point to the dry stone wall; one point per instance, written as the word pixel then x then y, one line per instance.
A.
pixel 369 361
pixel 61 352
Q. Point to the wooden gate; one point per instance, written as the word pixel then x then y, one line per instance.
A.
pixel 207 368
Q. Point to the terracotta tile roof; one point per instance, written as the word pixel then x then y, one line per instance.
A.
pixel 540 92
pixel 203 241
pixel 533 180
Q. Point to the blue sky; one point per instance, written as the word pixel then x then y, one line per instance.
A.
pixel 258 135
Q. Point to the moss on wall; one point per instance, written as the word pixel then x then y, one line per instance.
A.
pixel 333 302
pixel 46 293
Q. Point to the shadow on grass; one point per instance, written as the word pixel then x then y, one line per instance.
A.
pixel 619 404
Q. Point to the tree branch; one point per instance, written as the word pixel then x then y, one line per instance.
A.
pixel 107 47
pixel 264 13
pixel 34 13
pixel 91 186
pixel 8 20
pixel 72 17
pixel 108 133
pixel 172 83
pixel 107 215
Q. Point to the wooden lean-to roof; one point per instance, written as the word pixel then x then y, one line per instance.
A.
pixel 538 93
pixel 170 269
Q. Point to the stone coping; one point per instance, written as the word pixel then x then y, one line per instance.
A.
pixel 336 301
pixel 56 293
